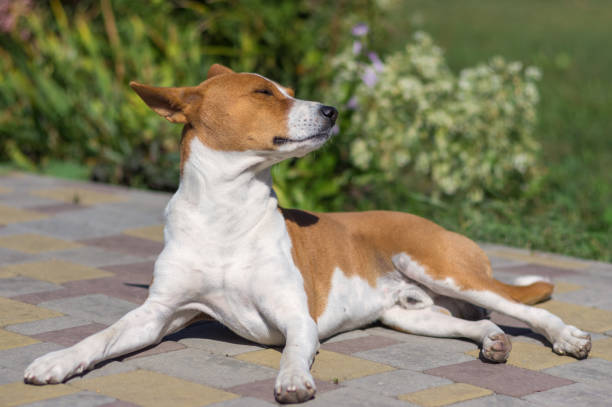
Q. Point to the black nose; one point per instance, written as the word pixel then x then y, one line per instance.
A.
pixel 330 112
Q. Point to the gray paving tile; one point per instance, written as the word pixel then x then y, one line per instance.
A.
pixel 201 367
pixel 598 297
pixel 214 338
pixel 243 402
pixel 594 371
pixel 420 353
pixel 397 382
pixel 106 368
pixel 358 333
pixel 80 399
pixel 95 307
pixel 11 287
pixel 46 325
pixel 19 360
pixel 92 256
pixel 577 394
pixel 11 256
pixel 10 375
pixel 352 397
pixel 495 400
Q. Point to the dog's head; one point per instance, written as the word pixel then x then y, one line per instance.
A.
pixel 232 111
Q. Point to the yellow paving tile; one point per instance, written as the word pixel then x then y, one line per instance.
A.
pixel 82 196
pixel 55 271
pixel 587 318
pixel 151 389
pixel 9 215
pixel 602 348
pixel 537 258
pixel 15 394
pixel 10 340
pixel 5 190
pixel 155 233
pixel 16 312
pixel 327 366
pixel 563 287
pixel 532 356
pixel 443 395
pixel 31 243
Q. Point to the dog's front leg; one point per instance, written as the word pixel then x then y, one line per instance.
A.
pixel 294 383
pixel 137 329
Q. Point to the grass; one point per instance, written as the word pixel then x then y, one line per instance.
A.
pixel 571 212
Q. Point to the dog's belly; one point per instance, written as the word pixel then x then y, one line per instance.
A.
pixel 352 302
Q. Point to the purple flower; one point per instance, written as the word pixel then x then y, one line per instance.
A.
pixel 360 30
pixel 335 130
pixel 357 47
pixel 352 103
pixel 376 62
pixel 369 77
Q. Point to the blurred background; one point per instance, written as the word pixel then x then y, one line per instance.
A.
pixel 490 118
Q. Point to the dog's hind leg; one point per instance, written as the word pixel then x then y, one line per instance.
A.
pixel 435 321
pixel 489 293
pixel 139 328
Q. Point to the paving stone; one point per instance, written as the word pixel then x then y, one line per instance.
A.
pixel 602 348
pixel 80 399
pixel 57 208
pixel 106 368
pixel 22 199
pixel 578 394
pixel 538 270
pixel 397 382
pixel 598 297
pixel 264 389
pixel 46 325
pixel 92 256
pixel 9 375
pixel 444 395
pixel 594 371
pixel 155 232
pixel 243 402
pixel 501 378
pixel 127 244
pixel 95 307
pixel 586 318
pixel 64 227
pixel 11 287
pixel 328 366
pixel 420 354
pixel 9 214
pixel 69 336
pixel 8 256
pixel 562 287
pixel 14 394
pixel 533 356
pixel 75 195
pixel 357 333
pixel 154 389
pixel 33 243
pixel 495 400
pixel 20 360
pixel 543 259
pixel 56 271
pixel 359 344
pixel 160 348
pixel 215 338
pixel 351 397
pixel 503 262
pixel 134 272
pixel 201 367
pixel 119 403
pixel 9 340
pixel 16 312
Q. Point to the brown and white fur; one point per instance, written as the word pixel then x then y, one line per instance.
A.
pixel 284 276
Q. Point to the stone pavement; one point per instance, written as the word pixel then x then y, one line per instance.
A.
pixel 75 256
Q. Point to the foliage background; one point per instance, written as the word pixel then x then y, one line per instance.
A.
pixel 66 109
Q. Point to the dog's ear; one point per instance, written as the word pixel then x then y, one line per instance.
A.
pixel 169 103
pixel 218 69
pixel 289 91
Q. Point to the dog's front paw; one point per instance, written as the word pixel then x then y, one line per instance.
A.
pixel 54 367
pixel 294 386
pixel 573 341
pixel 496 347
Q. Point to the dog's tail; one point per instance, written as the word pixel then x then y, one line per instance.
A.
pixel 528 289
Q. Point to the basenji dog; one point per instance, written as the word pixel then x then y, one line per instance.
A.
pixel 288 277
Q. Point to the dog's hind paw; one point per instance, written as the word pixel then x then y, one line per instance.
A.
pixel 294 386
pixel 54 367
pixel 573 341
pixel 496 347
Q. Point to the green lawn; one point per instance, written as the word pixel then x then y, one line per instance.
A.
pixel 570 42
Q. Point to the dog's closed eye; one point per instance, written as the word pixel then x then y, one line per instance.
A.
pixel 263 92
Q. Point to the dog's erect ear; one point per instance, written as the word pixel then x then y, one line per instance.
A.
pixel 289 91
pixel 218 69
pixel 169 103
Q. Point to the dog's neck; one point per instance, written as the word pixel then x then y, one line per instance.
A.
pixel 227 187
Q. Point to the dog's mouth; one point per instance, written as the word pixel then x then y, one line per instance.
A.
pixel 279 141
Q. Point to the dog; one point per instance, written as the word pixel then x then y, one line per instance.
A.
pixel 288 277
